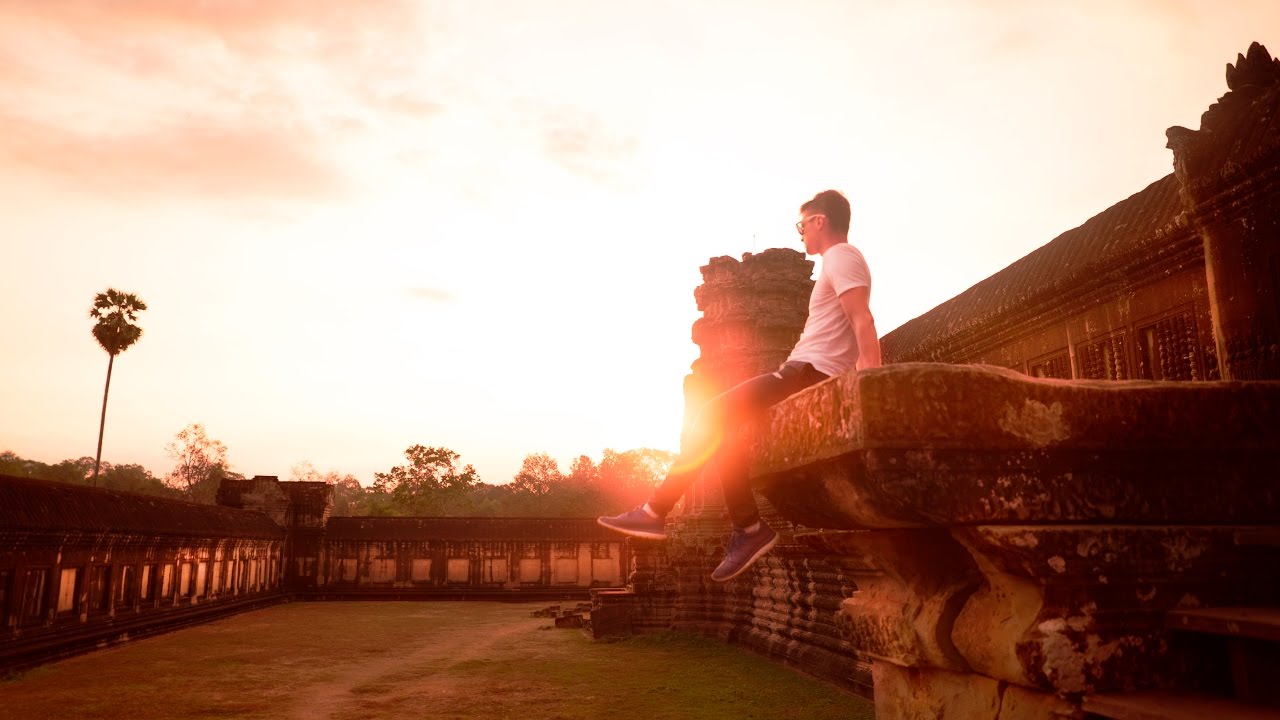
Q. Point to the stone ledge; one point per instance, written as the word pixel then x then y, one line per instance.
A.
pixel 924 444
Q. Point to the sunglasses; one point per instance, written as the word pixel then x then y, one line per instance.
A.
pixel 800 225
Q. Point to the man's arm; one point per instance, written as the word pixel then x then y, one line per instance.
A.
pixel 857 307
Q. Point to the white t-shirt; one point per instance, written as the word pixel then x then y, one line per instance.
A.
pixel 828 342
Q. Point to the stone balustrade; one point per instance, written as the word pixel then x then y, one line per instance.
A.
pixel 1015 542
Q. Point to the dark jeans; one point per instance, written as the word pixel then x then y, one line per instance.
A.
pixel 715 435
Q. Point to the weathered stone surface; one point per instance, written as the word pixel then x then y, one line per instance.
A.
pixel 1019 703
pixel 911 585
pixel 908 693
pixel 84 567
pixel 918 444
pixel 1081 608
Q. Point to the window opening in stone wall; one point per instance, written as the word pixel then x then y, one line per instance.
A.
pixel 202 579
pixel 1103 359
pixel 34 593
pixel 378 569
pixel 1167 349
pixel 128 586
pixel 1057 366
pixel 166 582
pixel 530 570
pixel 145 581
pixel 99 588
pixel 307 567
pixel 458 570
pixel 185 585
pixel 68 590
pixel 601 551
pixel 347 570
pixel 420 570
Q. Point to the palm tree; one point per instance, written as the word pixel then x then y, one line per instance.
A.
pixel 115 312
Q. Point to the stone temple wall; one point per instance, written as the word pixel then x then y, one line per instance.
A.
pixel 84 567
pixel 471 557
pixel 424 557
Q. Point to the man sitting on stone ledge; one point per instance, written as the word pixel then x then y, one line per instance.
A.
pixel 839 336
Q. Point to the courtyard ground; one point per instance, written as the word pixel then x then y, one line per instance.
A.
pixel 437 660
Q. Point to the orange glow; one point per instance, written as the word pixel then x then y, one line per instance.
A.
pixel 363 226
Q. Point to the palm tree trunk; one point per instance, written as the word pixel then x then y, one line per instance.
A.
pixel 102 424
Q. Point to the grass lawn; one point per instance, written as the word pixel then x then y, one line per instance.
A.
pixel 446 660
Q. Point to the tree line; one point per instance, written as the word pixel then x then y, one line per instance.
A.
pixel 432 481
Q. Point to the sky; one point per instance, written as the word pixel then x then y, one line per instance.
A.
pixel 479 224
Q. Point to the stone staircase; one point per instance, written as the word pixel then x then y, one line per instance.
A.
pixel 1233 660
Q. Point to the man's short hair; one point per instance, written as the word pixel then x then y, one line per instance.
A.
pixel 832 204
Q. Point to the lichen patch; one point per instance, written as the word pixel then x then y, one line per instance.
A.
pixel 1037 423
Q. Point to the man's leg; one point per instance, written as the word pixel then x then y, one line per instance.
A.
pixel 717 424
pixel 751 537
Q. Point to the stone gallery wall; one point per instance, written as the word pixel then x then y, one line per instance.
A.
pixel 405 557
pixel 84 567
pixel 473 557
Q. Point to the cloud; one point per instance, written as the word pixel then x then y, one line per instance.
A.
pixel 234 20
pixel 432 294
pixel 188 96
pixel 582 143
pixel 194 158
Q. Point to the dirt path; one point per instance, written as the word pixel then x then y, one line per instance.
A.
pixel 447 649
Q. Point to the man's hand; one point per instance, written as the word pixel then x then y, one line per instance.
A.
pixel 857 307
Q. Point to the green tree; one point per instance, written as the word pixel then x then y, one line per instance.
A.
pixel 133 478
pixel 584 470
pixel 431 484
pixel 11 464
pixel 627 478
pixel 201 463
pixel 539 475
pixel 115 313
pixel 74 472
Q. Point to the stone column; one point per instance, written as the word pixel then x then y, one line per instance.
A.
pixel 753 311
pixel 1230 175
pixel 752 315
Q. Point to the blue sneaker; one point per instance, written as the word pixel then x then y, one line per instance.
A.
pixel 637 523
pixel 744 549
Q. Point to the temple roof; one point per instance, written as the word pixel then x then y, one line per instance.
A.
pixel 467 528
pixel 1068 261
pixel 42 505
